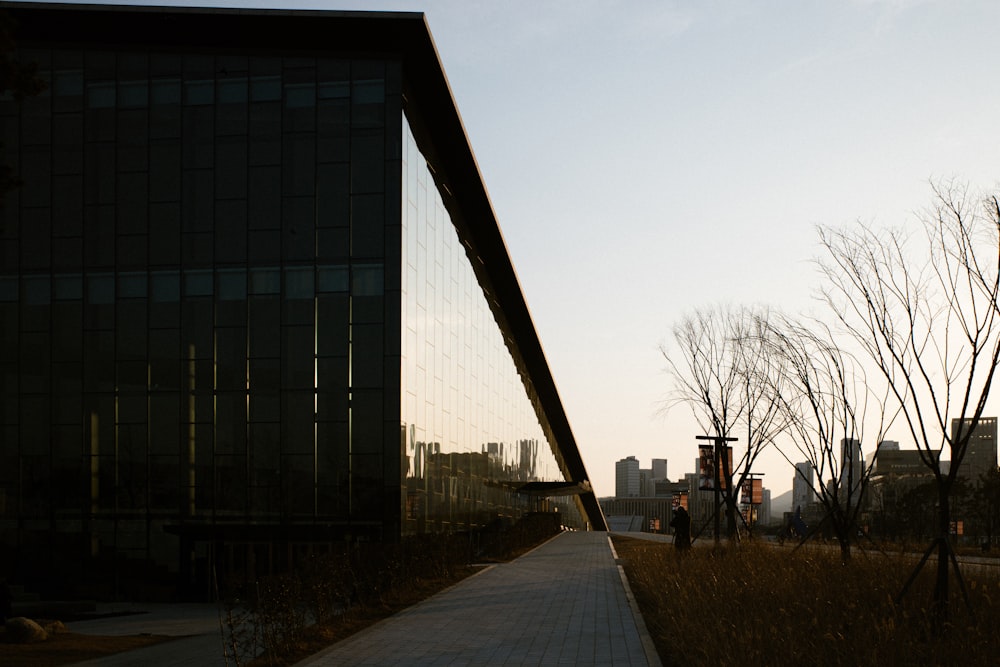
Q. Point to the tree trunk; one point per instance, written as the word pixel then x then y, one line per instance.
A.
pixel 845 551
pixel 939 609
pixel 842 530
pixel 731 510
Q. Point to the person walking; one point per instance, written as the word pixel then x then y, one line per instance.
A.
pixel 681 523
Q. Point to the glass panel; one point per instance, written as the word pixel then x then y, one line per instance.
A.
pixel 265 198
pixel 298 229
pixel 166 286
pixel 101 289
pixel 132 285
pixel 332 278
pixel 101 95
pixel 230 422
pixel 166 91
pixel 300 95
pixel 333 324
pixel 197 283
pixel 367 226
pixel 132 201
pixel 299 282
pixel 298 357
pixel 231 168
pixel 199 91
pixel 231 358
pixel 368 279
pixel 298 417
pixel 231 284
pixel 465 412
pixel 232 91
pixel 265 88
pixel 164 172
pixel 68 287
pixel 265 281
pixel 265 339
pixel 367 161
pixel 164 234
pixel 8 288
pixel 231 231
pixel 133 93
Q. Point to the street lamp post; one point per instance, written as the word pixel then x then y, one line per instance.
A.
pixel 718 441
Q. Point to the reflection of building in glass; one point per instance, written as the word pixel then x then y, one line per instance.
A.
pixel 253 297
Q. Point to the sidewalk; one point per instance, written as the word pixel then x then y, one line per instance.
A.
pixel 564 603
pixel 196 625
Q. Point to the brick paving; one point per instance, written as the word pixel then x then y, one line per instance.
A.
pixel 564 603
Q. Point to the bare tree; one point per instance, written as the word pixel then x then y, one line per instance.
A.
pixel 718 370
pixel 827 403
pixel 927 316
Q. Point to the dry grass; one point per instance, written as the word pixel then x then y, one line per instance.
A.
pixel 769 606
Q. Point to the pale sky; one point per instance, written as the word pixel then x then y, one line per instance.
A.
pixel 649 157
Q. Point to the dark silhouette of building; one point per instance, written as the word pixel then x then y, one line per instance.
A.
pixel 981 452
pixel 254 298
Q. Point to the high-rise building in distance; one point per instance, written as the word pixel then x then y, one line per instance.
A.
pixel 981 452
pixel 802 486
pixel 627 478
pixel 659 469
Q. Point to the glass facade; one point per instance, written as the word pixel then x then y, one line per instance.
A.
pixel 470 430
pixel 235 320
pixel 198 329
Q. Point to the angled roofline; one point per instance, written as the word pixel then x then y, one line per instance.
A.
pixel 434 119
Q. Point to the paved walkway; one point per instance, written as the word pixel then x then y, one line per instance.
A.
pixel 564 603
pixel 196 625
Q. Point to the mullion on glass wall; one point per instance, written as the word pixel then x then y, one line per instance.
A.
pixel 462 390
pixel 228 469
pixel 199 365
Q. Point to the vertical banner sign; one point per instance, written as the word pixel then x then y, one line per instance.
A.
pixel 752 492
pixel 706 467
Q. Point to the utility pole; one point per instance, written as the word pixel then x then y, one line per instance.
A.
pixel 718 441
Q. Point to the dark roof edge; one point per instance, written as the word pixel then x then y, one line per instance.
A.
pixel 208 9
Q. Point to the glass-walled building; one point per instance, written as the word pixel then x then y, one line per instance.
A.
pixel 253 298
